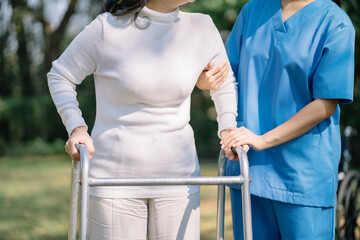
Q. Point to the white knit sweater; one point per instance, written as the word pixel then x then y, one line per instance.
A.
pixel 143 81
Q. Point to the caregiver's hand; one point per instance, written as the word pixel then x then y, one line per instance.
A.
pixel 226 134
pixel 213 77
pixel 242 136
pixel 79 135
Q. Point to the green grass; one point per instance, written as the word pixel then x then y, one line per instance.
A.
pixel 34 199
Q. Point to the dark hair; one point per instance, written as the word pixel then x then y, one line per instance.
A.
pixel 123 7
pixel 338 2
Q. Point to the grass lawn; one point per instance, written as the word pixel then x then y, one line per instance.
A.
pixel 34 199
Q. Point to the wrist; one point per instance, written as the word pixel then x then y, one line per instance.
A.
pixel 79 129
pixel 222 133
pixel 269 140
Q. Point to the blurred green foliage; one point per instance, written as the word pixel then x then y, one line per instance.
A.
pixel 351 112
pixel 30 39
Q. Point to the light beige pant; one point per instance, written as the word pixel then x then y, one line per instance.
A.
pixel 172 218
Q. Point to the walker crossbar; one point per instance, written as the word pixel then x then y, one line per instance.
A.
pixel 220 181
pixel 165 181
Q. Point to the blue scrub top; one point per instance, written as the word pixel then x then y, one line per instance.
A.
pixel 281 67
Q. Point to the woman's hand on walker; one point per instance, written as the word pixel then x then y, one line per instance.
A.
pixel 79 135
pixel 229 153
pixel 242 136
pixel 213 77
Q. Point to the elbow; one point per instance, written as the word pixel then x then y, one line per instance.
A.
pixel 329 106
pixel 330 111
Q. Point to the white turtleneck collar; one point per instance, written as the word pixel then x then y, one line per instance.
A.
pixel 158 17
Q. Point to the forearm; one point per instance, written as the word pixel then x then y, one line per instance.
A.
pixel 226 107
pixel 303 121
pixel 64 96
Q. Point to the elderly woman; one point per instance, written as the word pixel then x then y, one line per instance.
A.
pixel 146 57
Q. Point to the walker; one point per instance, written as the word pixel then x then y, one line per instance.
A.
pixel 80 175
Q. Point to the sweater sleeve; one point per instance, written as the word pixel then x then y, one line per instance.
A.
pixel 225 97
pixel 80 59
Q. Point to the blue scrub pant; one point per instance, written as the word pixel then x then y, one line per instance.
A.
pixel 274 220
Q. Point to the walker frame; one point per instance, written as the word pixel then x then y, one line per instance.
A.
pixel 80 174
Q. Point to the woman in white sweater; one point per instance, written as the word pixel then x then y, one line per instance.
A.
pixel 146 57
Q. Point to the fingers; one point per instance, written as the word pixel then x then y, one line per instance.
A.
pixel 246 148
pixel 234 157
pixel 234 137
pixel 81 136
pixel 225 134
pixel 222 72
pixel 231 156
pixel 217 69
pixel 213 77
pixel 220 77
pixel 234 142
pixel 242 137
pixel 229 135
pixel 91 149
pixel 72 150
pixel 209 66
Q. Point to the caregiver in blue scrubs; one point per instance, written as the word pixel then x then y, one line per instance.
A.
pixel 294 63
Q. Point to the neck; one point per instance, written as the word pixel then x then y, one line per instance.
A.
pixel 163 6
pixel 285 3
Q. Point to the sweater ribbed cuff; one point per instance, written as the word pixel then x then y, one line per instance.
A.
pixel 226 120
pixel 75 123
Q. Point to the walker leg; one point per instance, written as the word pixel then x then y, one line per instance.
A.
pixel 84 202
pixel 221 199
pixel 74 195
pixel 245 194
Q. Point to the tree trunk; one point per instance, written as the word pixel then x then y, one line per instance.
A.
pixel 54 39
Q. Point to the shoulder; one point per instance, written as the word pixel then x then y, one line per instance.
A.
pixel 202 23
pixel 104 25
pixel 256 9
pixel 336 17
pixel 204 28
pixel 251 4
pixel 256 5
pixel 92 30
pixel 109 20
pixel 197 18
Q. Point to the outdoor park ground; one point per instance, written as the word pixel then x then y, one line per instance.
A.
pixel 34 199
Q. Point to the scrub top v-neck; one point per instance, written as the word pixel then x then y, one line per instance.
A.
pixel 294 20
pixel 281 66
